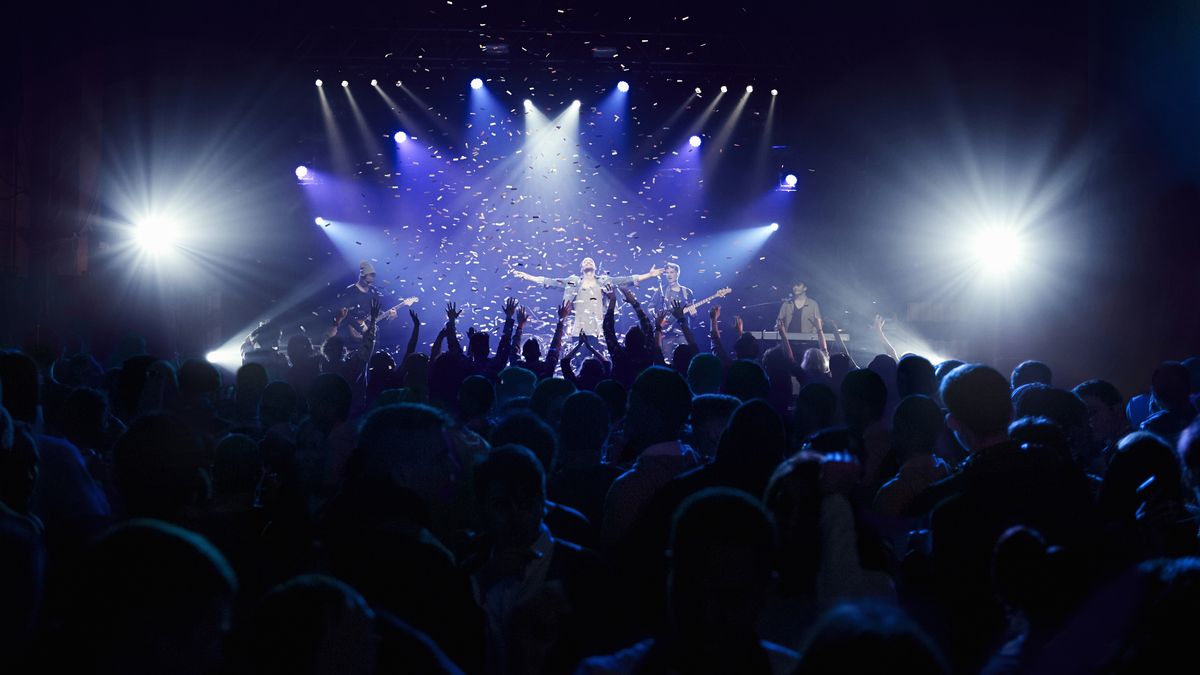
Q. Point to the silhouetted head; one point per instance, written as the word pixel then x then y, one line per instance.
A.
pixel 1028 372
pixel 868 638
pixel 659 405
pixel 334 349
pixel 277 405
pixel 746 380
pixel 479 345
pixel 746 347
pixel 710 416
pixel 721 552
pixel 753 444
pixel 1106 410
pixel 548 398
pixel 329 398
pixel 635 340
pixel 615 397
pixel 149 597
pixel 916 426
pixel 816 408
pixel 510 496
pixel 915 375
pixel 704 374
pixel 590 374
pixel 531 350
pixel 199 379
pixel 1171 386
pixel 315 624
pixel 515 382
pixel 1140 457
pixel 977 398
pixel 863 397
pixel 160 467
pixel 681 358
pixel 237 465
pixel 814 362
pixel 299 348
pixel 583 428
pixel 531 432
pixel 475 397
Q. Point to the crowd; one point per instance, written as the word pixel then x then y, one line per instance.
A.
pixel 493 508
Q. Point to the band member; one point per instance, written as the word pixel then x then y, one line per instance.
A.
pixel 356 299
pixel 663 298
pixel 586 291
pixel 799 312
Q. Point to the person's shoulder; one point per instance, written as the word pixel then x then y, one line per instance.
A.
pixel 624 661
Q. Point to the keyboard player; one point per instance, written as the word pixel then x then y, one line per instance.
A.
pixel 799 313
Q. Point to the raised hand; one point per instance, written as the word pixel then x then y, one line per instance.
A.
pixel 520 274
pixel 815 321
pixel 522 316
pixel 452 312
pixel 564 310
pixel 510 306
pixel 342 314
pixel 677 310
pixel 781 327
pixel 832 325
pixel 660 318
pixel 629 296
pixel 655 271
pixel 714 313
pixel 878 323
pixel 610 296
pixel 412 314
pixel 738 326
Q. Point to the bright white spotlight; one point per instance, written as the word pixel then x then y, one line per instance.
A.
pixel 320 221
pixel 997 249
pixel 774 92
pixel 697 91
pixel 694 141
pixel 230 357
pixel 374 83
pixel 575 104
pixel 400 137
pixel 301 172
pixel 791 180
pixel 724 89
pixel 528 104
pixel 749 89
pixel 345 83
pixel 774 226
pixel 156 235
pixel 477 83
pixel 319 83
pixel 622 86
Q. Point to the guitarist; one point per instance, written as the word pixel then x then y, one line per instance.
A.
pixel 356 298
pixel 661 302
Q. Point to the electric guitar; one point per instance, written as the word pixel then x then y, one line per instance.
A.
pixel 691 309
pixel 384 316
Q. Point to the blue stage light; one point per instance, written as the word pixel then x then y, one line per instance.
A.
pixel 301 171
pixel 791 180
pixel 622 86
pixel 477 83
pixel 320 221
pixel 694 141
pixel 774 226
pixel 400 137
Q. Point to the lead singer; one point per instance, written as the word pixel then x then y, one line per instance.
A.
pixel 586 291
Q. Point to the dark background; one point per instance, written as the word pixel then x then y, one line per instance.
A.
pixel 880 106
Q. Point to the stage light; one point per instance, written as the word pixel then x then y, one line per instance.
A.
pixel 301 171
pixel 724 89
pixel 694 141
pixel 528 104
pixel 477 83
pixel 697 91
pixel 575 104
pixel 399 83
pixel 997 249
pixel 791 180
pixel 320 221
pixel 345 83
pixel 774 227
pixel 622 86
pixel 774 92
pixel 749 89
pixel 374 83
pixel 319 83
pixel 400 137
pixel 156 235
pixel 227 357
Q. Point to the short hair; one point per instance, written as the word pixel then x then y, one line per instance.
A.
pixel 915 375
pixel 1171 383
pixel 549 396
pixel 746 347
pixel 746 380
pixel 673 266
pixel 798 282
pixel 1102 390
pixel 615 395
pixel 1041 431
pixel 330 394
pixel 252 375
pixel 864 397
pixel 704 373
pixel 916 425
pixel 509 464
pixel 528 431
pixel 868 637
pixel 978 397
pixel 197 376
pixel 158 466
pixel 713 406
pixel 584 423
pixel 476 396
pixel 665 394
pixel 1140 456
pixel 941 370
pixel 1038 400
pixel 1030 371
pixel 396 434
pixel 293 618
pixel 720 517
